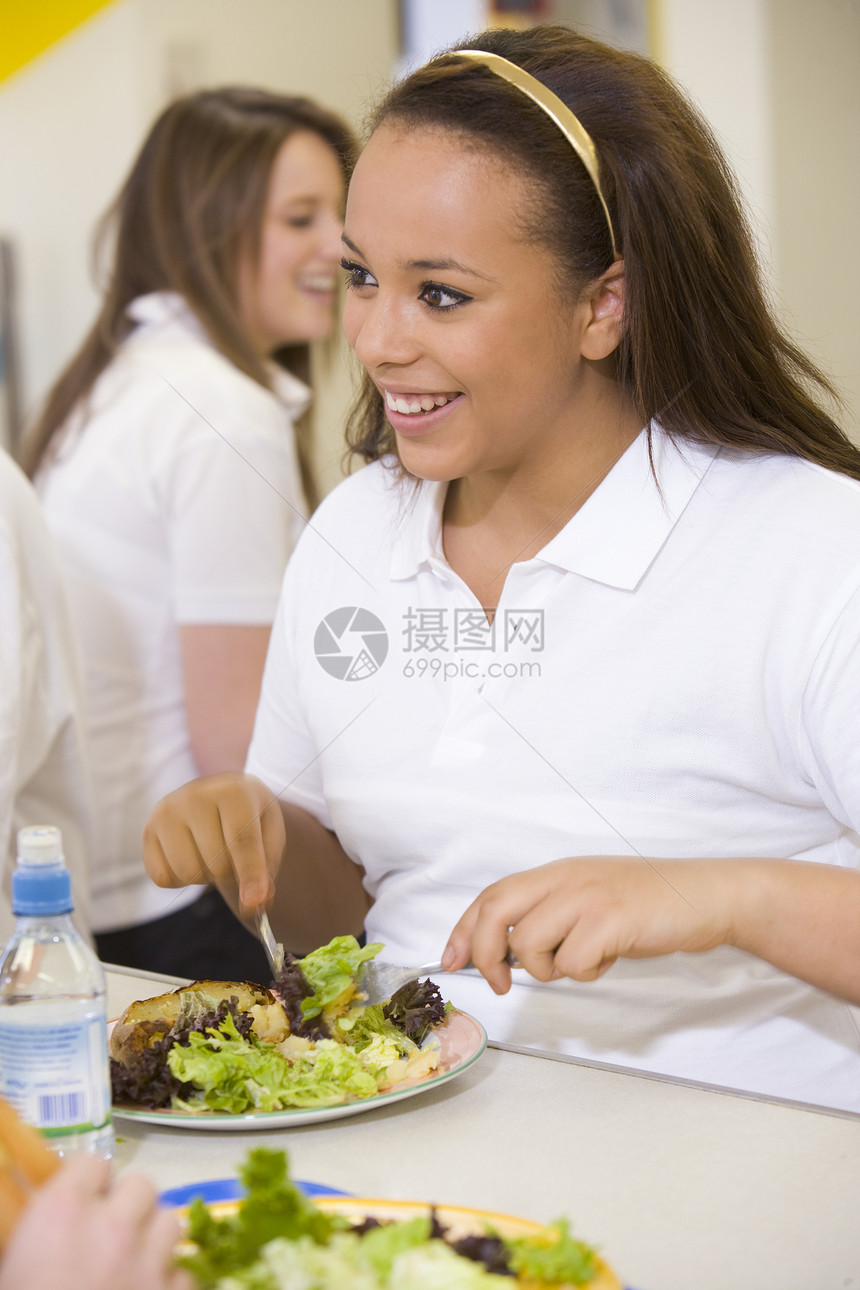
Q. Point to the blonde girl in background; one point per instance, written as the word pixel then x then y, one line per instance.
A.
pixel 166 459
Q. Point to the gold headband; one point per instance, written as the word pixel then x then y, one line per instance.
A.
pixel 569 124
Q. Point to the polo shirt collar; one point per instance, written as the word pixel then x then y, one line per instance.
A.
pixel 293 393
pixel 166 308
pixel 420 533
pixel 613 538
pixel 616 535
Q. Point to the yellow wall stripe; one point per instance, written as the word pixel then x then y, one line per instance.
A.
pixel 28 27
pixel 655 19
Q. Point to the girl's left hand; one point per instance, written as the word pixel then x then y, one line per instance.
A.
pixel 575 917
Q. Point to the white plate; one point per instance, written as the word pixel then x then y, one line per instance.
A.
pixel 462 1040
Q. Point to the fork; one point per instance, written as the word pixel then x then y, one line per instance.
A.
pixel 379 981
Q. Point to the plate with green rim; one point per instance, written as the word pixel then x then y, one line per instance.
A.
pixel 462 1041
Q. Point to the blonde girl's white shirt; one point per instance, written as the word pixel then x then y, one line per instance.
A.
pixel 174 498
pixel 43 772
pixel 676 674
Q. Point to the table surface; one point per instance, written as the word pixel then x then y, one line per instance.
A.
pixel 681 1188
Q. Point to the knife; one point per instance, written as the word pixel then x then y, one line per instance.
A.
pixel 274 949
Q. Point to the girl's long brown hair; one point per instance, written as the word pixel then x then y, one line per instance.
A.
pixel 701 351
pixel 190 209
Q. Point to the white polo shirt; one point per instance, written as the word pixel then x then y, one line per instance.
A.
pixel 676 674
pixel 174 498
pixel 43 770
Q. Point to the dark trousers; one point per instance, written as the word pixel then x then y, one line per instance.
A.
pixel 204 940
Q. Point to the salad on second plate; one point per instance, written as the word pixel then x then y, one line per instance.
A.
pixel 310 1041
pixel 277 1239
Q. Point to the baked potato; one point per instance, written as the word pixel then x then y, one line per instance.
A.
pixel 148 1020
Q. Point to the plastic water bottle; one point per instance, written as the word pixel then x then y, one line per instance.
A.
pixel 54 1067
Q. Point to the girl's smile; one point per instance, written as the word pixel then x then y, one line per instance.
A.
pixel 418 414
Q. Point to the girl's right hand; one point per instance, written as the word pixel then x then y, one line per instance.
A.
pixel 226 829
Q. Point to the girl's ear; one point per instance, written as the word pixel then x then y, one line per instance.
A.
pixel 604 321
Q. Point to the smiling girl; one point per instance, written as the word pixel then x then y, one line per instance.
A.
pixel 166 459
pixel 572 666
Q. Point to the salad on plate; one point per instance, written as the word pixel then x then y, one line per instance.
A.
pixel 310 1041
pixel 277 1239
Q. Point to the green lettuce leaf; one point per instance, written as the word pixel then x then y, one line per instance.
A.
pixel 389 1258
pixel 332 969
pixel 329 1074
pixel 366 1025
pixel 382 1245
pixel 563 1261
pixel 233 1074
pixel 272 1207
pixel 229 1073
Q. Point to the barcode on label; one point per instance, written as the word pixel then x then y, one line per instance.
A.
pixel 62 1108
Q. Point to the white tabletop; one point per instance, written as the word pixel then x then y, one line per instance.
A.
pixel 683 1189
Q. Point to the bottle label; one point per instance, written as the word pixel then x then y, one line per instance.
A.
pixel 54 1068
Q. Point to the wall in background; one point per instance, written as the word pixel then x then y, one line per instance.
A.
pixel 69 123
pixel 720 54
pixel 814 56
pixel 778 80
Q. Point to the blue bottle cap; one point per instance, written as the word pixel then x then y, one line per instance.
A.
pixel 41 882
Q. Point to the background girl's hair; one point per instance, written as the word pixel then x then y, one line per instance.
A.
pixel 190 208
pixel 701 351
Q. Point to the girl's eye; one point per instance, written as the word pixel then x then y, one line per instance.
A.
pixel 357 275
pixel 442 299
pixel 300 221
